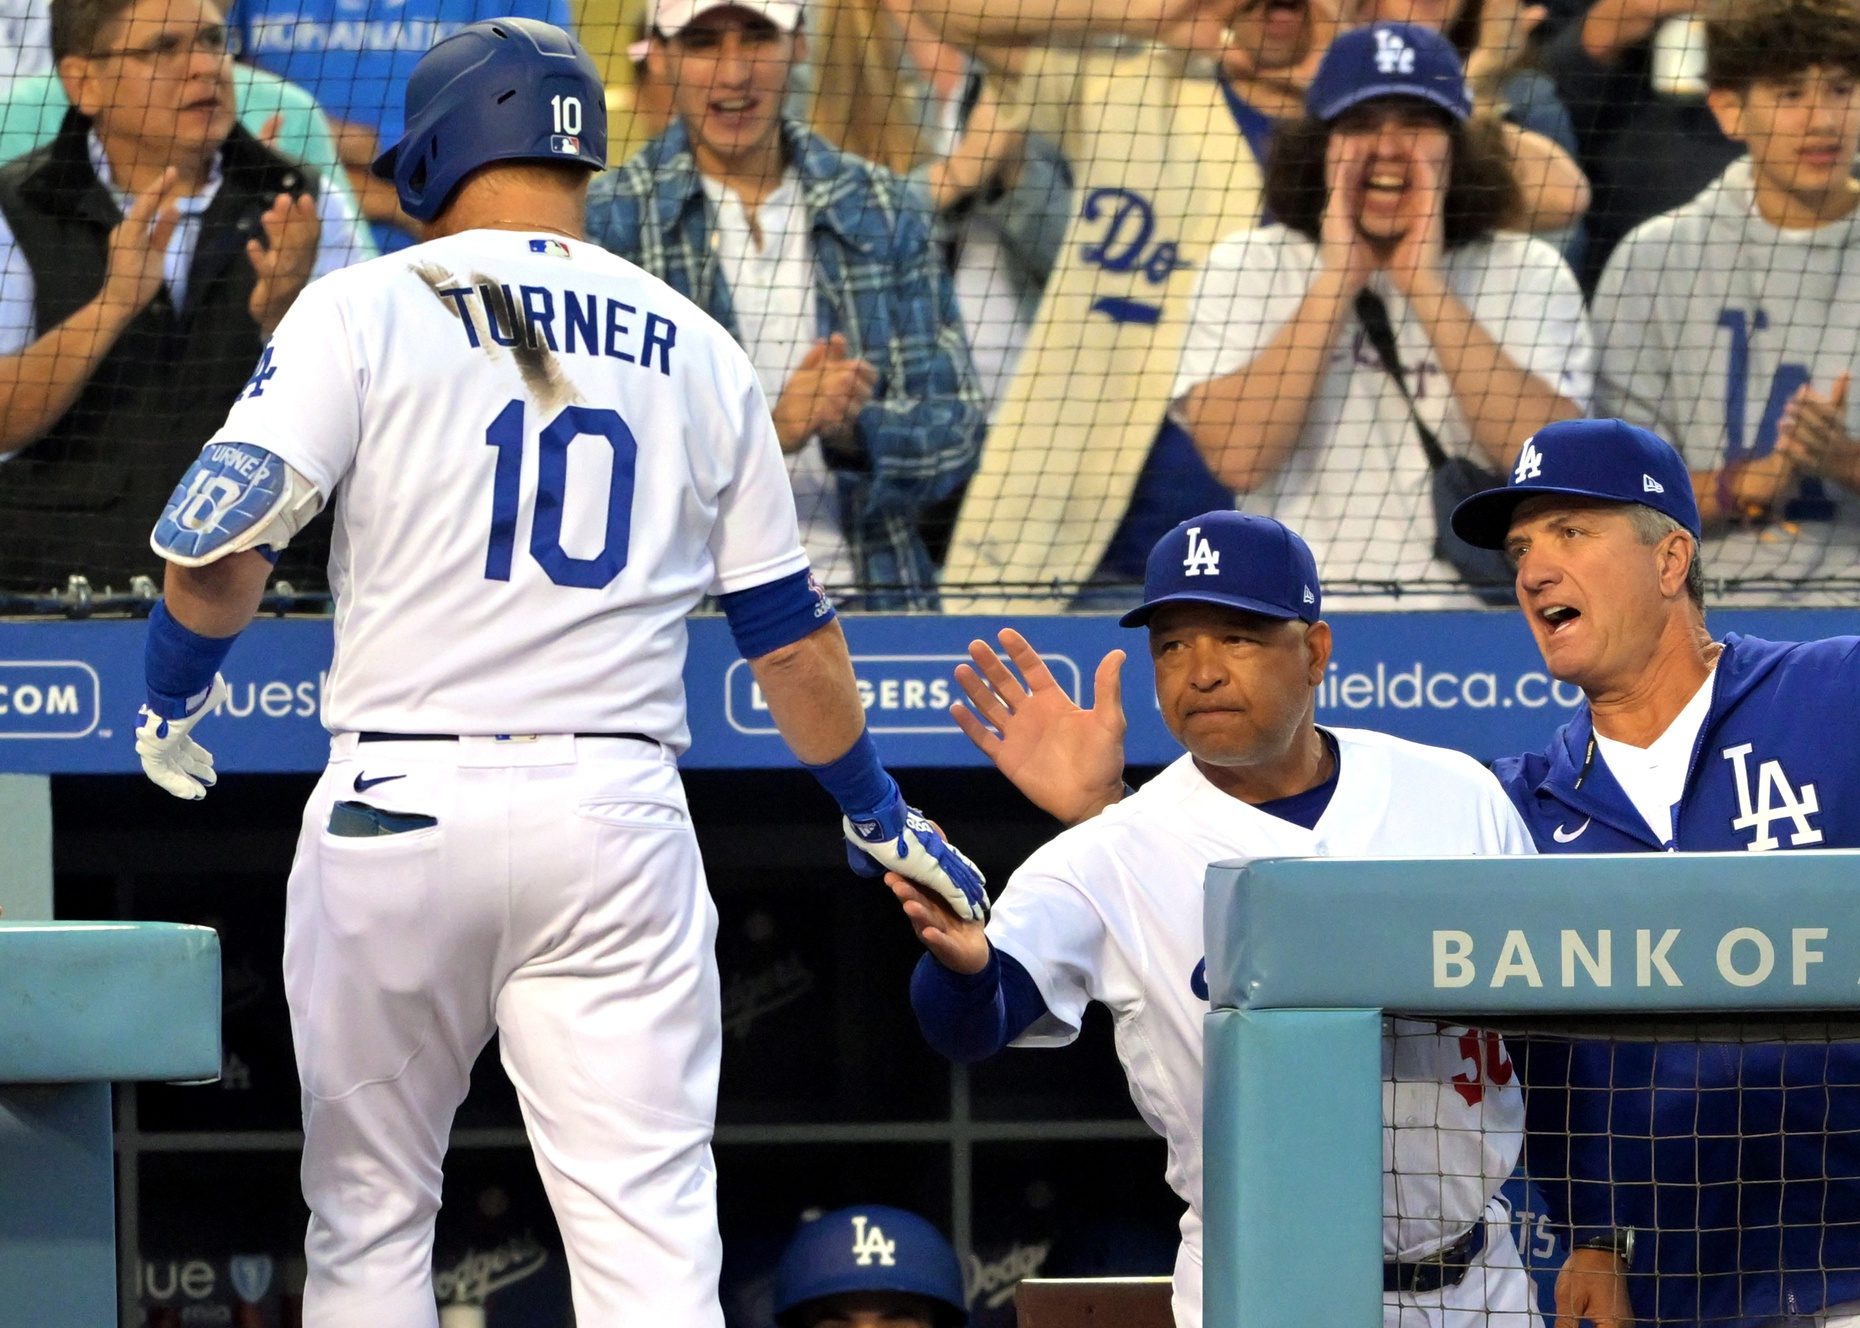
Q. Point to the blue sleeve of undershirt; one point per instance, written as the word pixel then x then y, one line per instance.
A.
pixel 970 1016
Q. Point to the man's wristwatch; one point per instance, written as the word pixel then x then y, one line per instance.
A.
pixel 1618 1241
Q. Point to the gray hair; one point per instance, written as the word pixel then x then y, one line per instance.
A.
pixel 1651 526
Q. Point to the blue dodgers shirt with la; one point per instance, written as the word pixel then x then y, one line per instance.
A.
pixel 1738 1166
pixel 355 56
pixel 1770 769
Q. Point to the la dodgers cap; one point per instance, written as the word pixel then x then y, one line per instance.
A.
pixel 1611 460
pixel 1389 60
pixel 1231 558
pixel 670 17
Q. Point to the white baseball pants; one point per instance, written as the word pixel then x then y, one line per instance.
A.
pixel 560 901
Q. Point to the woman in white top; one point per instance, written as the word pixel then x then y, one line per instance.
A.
pixel 1386 200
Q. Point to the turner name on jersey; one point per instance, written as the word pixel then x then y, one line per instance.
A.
pixel 591 323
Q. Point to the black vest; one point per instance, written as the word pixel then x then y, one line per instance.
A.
pixel 84 497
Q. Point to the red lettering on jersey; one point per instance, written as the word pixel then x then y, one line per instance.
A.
pixel 1483 1053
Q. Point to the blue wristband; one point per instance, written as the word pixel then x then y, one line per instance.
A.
pixel 178 664
pixel 857 780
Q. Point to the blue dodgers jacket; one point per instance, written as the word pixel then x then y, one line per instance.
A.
pixel 1738 1166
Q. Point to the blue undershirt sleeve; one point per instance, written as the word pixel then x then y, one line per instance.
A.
pixel 970 1016
pixel 776 613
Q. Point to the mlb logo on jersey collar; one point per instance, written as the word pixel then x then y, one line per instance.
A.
pixel 1232 558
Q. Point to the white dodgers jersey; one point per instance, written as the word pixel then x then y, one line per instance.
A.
pixel 1111 911
pixel 543 458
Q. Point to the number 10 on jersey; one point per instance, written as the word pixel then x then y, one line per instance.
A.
pixel 506 434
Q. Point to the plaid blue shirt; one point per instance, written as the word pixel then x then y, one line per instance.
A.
pixel 881 284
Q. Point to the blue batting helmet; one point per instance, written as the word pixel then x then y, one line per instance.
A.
pixel 873 1248
pixel 502 89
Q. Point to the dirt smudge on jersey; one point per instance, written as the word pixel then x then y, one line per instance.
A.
pixel 542 374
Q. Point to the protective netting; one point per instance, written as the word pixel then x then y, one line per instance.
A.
pixel 1704 1174
pixel 1026 283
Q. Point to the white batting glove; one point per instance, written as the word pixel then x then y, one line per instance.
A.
pixel 894 837
pixel 172 758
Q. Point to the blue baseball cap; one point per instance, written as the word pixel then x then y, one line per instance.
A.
pixel 1389 60
pixel 1231 558
pixel 874 1248
pixel 1612 460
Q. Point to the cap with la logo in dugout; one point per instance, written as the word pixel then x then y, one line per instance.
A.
pixel 1234 559
pixel 1611 460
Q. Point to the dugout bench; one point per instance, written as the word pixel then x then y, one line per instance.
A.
pixel 1093 1302
pixel 82 1004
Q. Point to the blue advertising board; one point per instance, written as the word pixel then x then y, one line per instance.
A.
pixel 1472 680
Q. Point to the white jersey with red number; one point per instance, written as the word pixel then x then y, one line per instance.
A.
pixel 1111 911
pixel 544 458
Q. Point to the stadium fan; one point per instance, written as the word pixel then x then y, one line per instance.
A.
pixel 1492 38
pixel 1724 325
pixel 277 113
pixel 1383 319
pixel 824 268
pixel 1165 130
pixel 146 253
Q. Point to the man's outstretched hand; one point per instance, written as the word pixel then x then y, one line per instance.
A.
pixel 1067 760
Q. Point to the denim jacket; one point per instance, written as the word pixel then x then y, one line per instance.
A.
pixel 881 284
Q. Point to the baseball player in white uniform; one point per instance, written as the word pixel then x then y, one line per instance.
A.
pixel 544 459
pixel 1111 910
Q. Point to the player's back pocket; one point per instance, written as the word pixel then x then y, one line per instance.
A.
pixel 633 809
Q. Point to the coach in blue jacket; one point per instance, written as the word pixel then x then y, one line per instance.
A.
pixel 1703 1183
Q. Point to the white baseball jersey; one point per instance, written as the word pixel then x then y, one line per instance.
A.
pixel 542 458
pixel 1111 911
pixel 1357 486
pixel 1709 319
pixel 516 546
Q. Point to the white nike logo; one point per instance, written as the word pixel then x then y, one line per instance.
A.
pixel 1563 836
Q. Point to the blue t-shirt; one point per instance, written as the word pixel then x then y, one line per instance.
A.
pixel 355 55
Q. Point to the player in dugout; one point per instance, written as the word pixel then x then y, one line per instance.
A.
pixel 869 1267
pixel 1111 910
pixel 501 842
pixel 1682 742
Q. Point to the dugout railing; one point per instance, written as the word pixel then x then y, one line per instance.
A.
pixel 1305 956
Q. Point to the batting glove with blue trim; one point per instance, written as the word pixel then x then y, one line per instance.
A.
pixel 895 837
pixel 169 756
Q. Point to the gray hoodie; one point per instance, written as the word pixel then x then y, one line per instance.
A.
pixel 1707 318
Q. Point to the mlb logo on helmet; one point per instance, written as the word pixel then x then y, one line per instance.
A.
pixel 566 144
